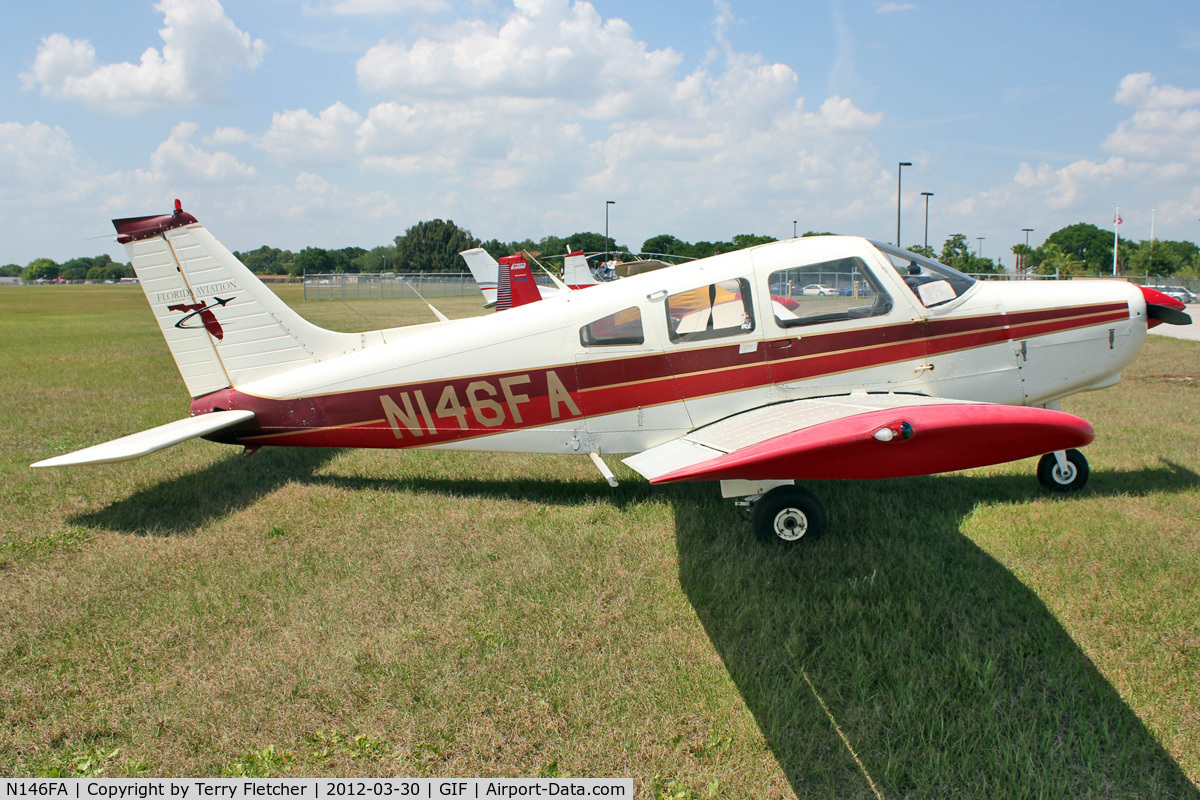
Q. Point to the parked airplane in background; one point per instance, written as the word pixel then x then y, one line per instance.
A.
pixel 723 369
pixel 497 279
pixel 493 276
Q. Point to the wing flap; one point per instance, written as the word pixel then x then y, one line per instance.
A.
pixel 861 437
pixel 149 441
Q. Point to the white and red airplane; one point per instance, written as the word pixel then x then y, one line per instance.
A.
pixel 723 369
pixel 508 282
pixel 499 280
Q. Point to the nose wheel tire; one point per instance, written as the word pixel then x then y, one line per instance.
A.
pixel 789 514
pixel 1057 479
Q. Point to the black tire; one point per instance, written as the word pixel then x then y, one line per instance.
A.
pixel 789 515
pixel 1054 479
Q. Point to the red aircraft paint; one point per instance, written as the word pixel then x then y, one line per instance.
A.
pixel 943 439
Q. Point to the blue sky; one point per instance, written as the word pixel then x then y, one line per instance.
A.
pixel 344 122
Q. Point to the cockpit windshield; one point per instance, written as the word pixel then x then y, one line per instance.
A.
pixel 931 281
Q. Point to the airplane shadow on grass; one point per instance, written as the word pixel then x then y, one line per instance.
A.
pixel 181 506
pixel 947 676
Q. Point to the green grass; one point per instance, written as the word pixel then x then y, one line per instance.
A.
pixel 449 614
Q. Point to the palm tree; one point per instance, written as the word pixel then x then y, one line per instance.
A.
pixel 1060 262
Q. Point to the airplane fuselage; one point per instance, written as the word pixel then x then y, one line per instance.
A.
pixel 563 375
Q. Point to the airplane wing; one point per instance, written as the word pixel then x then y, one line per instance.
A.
pixel 860 436
pixel 150 441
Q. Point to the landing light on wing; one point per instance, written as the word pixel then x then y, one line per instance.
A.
pixel 902 429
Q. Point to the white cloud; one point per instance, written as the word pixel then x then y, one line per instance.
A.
pixel 545 49
pixel 178 161
pixel 1166 123
pixel 297 138
pixel 34 155
pixel 380 7
pixel 840 114
pixel 891 8
pixel 489 125
pixel 1140 91
pixel 201 49
pixel 1154 161
pixel 494 107
pixel 227 135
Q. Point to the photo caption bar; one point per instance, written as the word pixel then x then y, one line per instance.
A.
pixel 308 788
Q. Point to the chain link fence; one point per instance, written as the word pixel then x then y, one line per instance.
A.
pixel 388 285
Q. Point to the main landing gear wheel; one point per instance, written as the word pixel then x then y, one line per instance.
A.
pixel 1058 478
pixel 789 514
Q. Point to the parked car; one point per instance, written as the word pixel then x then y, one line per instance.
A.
pixel 1180 293
pixel 817 290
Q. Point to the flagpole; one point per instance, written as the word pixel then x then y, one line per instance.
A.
pixel 1116 238
pixel 1151 265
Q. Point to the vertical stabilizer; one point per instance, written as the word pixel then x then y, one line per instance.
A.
pixel 224 327
pixel 486 271
pixel 515 286
pixel 576 273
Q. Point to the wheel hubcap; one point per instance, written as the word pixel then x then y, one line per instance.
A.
pixel 791 524
pixel 1064 476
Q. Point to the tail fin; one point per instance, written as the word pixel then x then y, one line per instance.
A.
pixel 516 286
pixel 486 272
pixel 224 327
pixel 576 273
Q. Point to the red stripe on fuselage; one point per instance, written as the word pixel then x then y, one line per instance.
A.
pixel 435 412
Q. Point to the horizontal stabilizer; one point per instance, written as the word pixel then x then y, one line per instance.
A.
pixel 140 444
pixel 861 436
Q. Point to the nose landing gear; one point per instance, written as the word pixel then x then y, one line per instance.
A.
pixel 1063 471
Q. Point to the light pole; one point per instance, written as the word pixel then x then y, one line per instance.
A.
pixel 607 243
pixel 794 228
pixel 979 252
pixel 1025 255
pixel 927 195
pixel 899 173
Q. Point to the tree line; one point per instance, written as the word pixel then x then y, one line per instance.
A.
pixel 1084 249
pixel 96 268
pixel 434 245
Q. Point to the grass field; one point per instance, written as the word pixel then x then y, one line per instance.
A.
pixel 374 613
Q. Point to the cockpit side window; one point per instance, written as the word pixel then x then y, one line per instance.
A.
pixel 931 281
pixel 828 291
pixel 623 327
pixel 710 312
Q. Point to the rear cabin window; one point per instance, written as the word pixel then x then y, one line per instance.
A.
pixel 623 327
pixel 829 291
pixel 710 312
